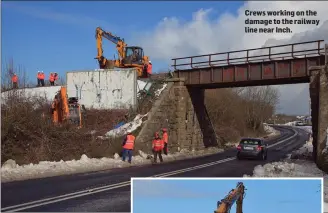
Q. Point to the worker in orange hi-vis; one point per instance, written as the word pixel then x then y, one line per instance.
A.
pixel 128 146
pixel 42 76
pixel 14 81
pixel 165 140
pixel 39 78
pixel 158 146
pixel 149 69
pixel 52 79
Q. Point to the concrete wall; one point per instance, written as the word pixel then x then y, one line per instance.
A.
pixel 45 92
pixel 105 89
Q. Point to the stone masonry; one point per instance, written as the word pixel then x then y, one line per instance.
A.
pixel 182 111
pixel 319 113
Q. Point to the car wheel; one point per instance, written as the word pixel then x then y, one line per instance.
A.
pixel 262 156
pixel 238 157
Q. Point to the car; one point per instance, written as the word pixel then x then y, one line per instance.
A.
pixel 252 148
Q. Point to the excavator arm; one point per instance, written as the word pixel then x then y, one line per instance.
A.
pixel 120 44
pixel 235 196
pixel 129 56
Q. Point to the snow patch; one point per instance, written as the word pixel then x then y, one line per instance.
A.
pixel 295 168
pixel 10 171
pixel 159 91
pixel 128 127
pixel 270 130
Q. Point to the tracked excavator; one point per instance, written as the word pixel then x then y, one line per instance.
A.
pixel 66 109
pixel 236 195
pixel 129 56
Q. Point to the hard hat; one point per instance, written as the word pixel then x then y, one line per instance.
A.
pixel 129 133
pixel 14 73
pixel 149 61
pixel 38 71
pixel 42 71
pixel 164 130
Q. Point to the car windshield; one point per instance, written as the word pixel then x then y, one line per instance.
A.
pixel 250 142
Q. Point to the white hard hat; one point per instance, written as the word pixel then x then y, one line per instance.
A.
pixel 38 71
pixel 42 71
pixel 149 61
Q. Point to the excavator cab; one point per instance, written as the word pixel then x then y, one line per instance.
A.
pixel 74 109
pixel 133 55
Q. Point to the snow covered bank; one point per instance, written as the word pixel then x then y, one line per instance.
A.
pixel 271 132
pixel 295 168
pixel 10 171
pixel 133 125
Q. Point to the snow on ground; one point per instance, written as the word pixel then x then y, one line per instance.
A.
pixel 45 92
pixel 268 129
pixel 133 125
pixel 159 91
pixel 128 127
pixel 10 171
pixel 295 168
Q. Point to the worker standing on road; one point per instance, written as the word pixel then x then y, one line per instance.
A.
pixel 158 146
pixel 52 79
pixel 165 140
pixel 128 146
pixel 14 81
pixel 149 69
pixel 39 78
pixel 42 76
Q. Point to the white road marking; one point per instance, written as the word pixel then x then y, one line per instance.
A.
pixel 68 196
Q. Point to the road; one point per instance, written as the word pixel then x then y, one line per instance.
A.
pixel 109 191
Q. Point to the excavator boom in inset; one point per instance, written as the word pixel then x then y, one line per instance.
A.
pixel 236 195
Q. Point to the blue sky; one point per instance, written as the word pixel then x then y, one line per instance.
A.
pixel 59 36
pixel 194 196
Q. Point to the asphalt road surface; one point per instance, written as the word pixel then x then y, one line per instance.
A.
pixel 109 191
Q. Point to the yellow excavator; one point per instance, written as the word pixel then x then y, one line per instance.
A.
pixel 236 195
pixel 66 109
pixel 129 56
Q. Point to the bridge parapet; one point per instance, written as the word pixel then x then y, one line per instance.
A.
pixel 279 64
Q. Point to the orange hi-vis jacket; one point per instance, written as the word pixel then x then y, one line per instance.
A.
pixel 165 137
pixel 129 144
pixel 158 144
pixel 41 76
pixel 149 68
pixel 52 78
pixel 14 79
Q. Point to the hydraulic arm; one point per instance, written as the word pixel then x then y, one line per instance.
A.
pixel 235 196
pixel 128 56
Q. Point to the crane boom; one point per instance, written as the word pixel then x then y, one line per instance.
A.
pixel 234 196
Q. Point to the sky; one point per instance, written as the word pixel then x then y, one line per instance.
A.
pixel 195 196
pixel 59 36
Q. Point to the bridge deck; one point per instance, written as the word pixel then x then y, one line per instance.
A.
pixel 282 64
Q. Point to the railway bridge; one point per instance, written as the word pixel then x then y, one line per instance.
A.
pixel 304 62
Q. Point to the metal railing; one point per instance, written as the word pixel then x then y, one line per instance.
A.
pixel 191 63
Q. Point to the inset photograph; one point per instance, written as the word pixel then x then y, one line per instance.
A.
pixel 217 195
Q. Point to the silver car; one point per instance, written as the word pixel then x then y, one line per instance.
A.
pixel 252 148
